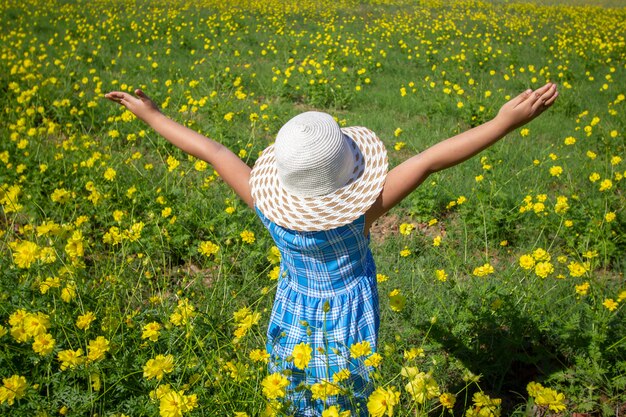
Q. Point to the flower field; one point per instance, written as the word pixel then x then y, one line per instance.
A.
pixel 135 283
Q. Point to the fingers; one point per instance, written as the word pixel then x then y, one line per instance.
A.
pixel 544 97
pixel 522 97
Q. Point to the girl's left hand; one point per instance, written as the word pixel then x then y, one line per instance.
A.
pixel 528 105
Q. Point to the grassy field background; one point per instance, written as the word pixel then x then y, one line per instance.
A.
pixel 135 283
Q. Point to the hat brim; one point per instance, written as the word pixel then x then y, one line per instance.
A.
pixel 329 211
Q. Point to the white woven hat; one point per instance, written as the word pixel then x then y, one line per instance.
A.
pixel 318 176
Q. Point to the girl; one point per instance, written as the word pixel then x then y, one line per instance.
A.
pixel 318 189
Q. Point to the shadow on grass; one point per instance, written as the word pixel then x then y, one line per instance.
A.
pixel 507 349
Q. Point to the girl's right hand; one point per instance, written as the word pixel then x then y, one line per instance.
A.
pixel 528 105
pixel 141 105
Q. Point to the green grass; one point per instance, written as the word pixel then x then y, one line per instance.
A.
pixel 511 327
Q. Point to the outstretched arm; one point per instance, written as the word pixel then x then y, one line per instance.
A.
pixel 229 166
pixel 406 177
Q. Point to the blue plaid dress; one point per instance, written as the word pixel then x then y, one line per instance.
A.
pixel 326 297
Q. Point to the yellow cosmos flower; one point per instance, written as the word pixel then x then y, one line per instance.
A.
pixel 448 400
pixel 97 348
pixel 208 248
pixel 374 360
pixel 259 355
pixel 274 385
pixel 341 375
pixel 247 236
pixel 175 403
pixel 158 367
pixel 323 390
pixel 70 358
pixel 24 253
pixel 84 321
pixel 483 270
pixel 302 355
pixel 397 301
pixel 360 349
pixel 12 388
pixel 151 331
pixel 610 304
pixel 382 401
pixel 43 344
pixel 422 387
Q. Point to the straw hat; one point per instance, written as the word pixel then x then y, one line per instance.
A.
pixel 318 176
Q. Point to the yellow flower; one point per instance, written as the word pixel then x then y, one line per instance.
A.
pixel 541 255
pixel 341 375
pixel 399 146
pixel 83 321
pixel 301 355
pixel 577 269
pixel 527 261
pixel 569 140
pixel 582 289
pixel 561 205
pixel 609 217
pixel 448 400
pixel 274 273
pixel 96 349
pixel 274 385
pixel 405 252
pixel 68 293
pixel 382 401
pixel 70 358
pixel 422 387
pixel 556 170
pixel 247 236
pixel 274 255
pixel 151 331
pixel 610 304
pixel 441 275
pixel 360 349
pixel 323 390
pixel 381 278
pixel 175 403
pixel 259 355
pixel 183 312
pixel 483 270
pixel 546 397
pixel 374 360
pixel 397 132
pixel 12 388
pixel 61 195
pixel 159 366
pixel 406 228
pixel 43 344
pixel 606 184
pixel 437 241
pixel 24 253
pixel 484 406
pixel 397 301
pixel 594 177
pixel 75 246
pixel 110 174
pixel 35 323
pixel 172 163
pixel 335 411
pixel 208 248
pixel 543 269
